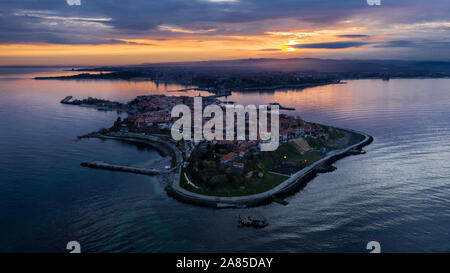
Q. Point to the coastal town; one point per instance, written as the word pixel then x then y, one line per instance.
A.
pixel 225 167
pixel 249 75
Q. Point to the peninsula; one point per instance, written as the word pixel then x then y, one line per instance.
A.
pixel 227 173
pixel 257 75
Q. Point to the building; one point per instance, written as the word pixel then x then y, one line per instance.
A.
pixel 228 157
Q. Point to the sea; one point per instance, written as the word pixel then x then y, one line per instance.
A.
pixel 397 194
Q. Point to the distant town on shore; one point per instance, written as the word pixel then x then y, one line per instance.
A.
pixel 248 75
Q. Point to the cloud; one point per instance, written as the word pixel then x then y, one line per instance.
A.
pixel 265 23
pixel 436 45
pixel 184 30
pixel 118 41
pixel 222 1
pixel 270 49
pixel 332 45
pixel 353 36
pixel 144 16
pixel 47 15
pixel 397 43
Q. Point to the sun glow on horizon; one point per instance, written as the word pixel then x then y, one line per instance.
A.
pixel 287 47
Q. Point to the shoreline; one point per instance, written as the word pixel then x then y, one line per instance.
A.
pixel 214 90
pixel 286 188
pixel 288 86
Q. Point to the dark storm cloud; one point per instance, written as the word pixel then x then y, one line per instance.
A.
pixel 436 45
pixel 397 43
pixel 353 36
pixel 46 20
pixel 332 45
pixel 387 44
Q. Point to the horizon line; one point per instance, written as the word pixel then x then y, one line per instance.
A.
pixel 223 60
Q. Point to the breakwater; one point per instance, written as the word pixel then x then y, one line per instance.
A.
pixel 121 168
pixel 162 146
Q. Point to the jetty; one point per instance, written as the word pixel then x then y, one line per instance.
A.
pixel 281 107
pixel 120 168
pixel 212 90
pixel 161 145
pixel 66 100
pixel 217 93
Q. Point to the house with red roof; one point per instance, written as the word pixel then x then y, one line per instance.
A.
pixel 228 157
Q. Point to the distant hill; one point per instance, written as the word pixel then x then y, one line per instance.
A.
pixel 267 74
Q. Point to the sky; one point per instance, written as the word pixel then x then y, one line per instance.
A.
pixel 117 32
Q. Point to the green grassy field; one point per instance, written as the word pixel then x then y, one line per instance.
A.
pixel 268 182
pixel 263 163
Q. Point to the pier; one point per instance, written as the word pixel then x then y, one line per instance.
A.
pixel 217 93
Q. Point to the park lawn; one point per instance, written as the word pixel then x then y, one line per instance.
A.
pixel 287 153
pixel 252 186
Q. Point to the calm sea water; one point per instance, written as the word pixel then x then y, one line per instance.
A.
pixel 397 194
